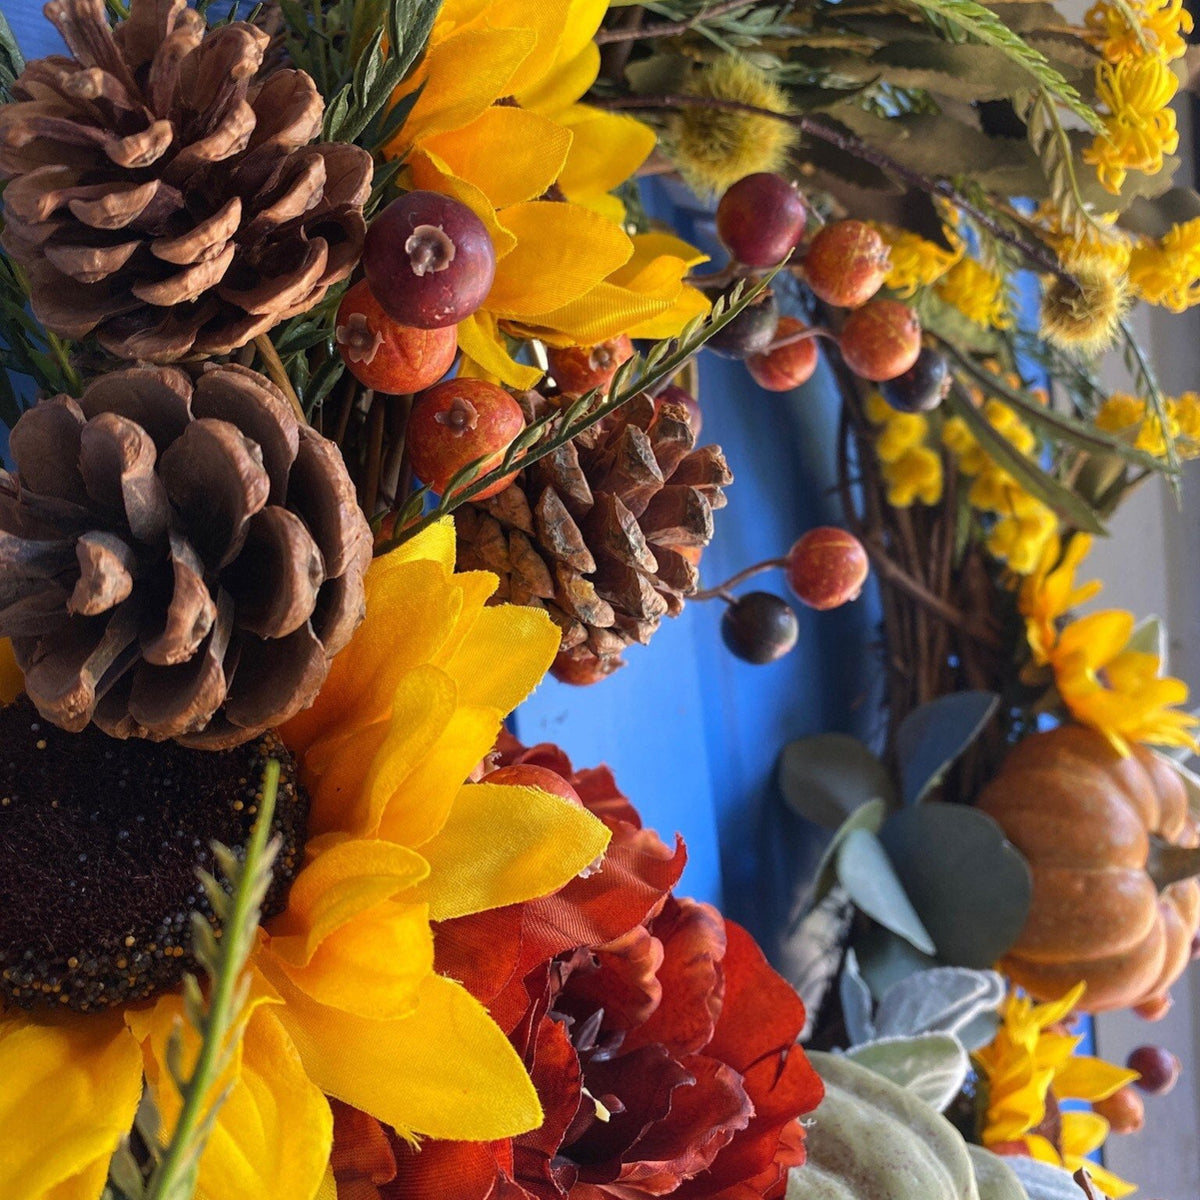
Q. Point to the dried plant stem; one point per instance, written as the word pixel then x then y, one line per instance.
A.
pixel 376 424
pixel 722 590
pixel 1040 257
pixel 665 29
pixel 278 374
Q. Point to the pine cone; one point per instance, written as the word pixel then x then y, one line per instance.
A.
pixel 177 559
pixel 604 534
pixel 163 193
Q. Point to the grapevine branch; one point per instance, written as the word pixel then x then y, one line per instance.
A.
pixel 1041 257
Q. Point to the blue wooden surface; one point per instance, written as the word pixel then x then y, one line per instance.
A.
pixel 691 732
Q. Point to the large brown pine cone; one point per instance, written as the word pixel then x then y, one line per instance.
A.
pixel 164 193
pixel 177 559
pixel 604 534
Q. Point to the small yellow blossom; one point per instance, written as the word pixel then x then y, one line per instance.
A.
pixel 1139 126
pixel 1135 419
pixel 1031 1063
pixel 915 261
pixel 1048 593
pixel 1167 272
pixel 980 294
pixel 911 470
pixel 1160 26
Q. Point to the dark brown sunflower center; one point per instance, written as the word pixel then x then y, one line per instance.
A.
pixel 100 841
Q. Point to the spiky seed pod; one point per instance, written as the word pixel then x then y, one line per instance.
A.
pixel 604 533
pixel 163 192
pixel 177 559
pixel 1083 316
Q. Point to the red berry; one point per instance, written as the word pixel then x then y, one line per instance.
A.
pixel 827 567
pixel 578 369
pixel 527 775
pixel 1124 1110
pixel 846 263
pixel 760 219
pixel 881 340
pixel 785 367
pixel 429 260
pixel 384 355
pixel 682 398
pixel 457 422
pixel 1158 1068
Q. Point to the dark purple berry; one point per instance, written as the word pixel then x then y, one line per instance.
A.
pixel 760 219
pixel 750 332
pixel 429 260
pixel 922 387
pixel 1158 1068
pixel 759 627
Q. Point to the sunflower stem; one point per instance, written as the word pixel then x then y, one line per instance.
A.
pixel 223 1022
pixel 1168 864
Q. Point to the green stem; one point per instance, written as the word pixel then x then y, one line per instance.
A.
pixel 1168 864
pixel 238 935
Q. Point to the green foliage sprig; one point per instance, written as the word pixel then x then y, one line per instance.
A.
pixel 220 1021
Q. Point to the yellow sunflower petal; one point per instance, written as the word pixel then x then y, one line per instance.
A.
pixel 68 1092
pixel 562 250
pixel 1053 1011
pixel 1110 1184
pixel 546 19
pixel 606 149
pixel 12 681
pixel 1082 1132
pixel 502 845
pixel 1099 636
pixel 506 656
pixel 566 83
pixel 535 151
pixel 424 169
pixel 461 1077
pixel 482 344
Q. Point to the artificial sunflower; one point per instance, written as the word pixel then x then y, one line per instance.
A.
pixel 1049 592
pixel 100 840
pixel 1028 1067
pixel 497 124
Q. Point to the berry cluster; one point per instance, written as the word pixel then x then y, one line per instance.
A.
pixel 761 220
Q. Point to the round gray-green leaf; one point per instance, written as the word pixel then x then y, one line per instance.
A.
pixel 826 777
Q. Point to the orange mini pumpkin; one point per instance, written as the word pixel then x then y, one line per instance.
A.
pixel 1111 844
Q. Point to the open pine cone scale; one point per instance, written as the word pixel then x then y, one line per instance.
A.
pixel 179 560
pixel 603 533
pixel 164 192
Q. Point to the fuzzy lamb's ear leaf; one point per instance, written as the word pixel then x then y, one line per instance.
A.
pixel 1042 1181
pixel 826 777
pixel 932 1066
pixel 969 884
pixel 884 959
pixel 940 1000
pixel 994 1178
pixel 867 874
pixel 857 1002
pixel 932 737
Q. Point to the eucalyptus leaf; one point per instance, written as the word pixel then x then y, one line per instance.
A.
pixel 866 873
pixel 884 959
pixel 965 70
pixel 869 816
pixel 995 1178
pixel 932 1066
pixel 826 777
pixel 1042 1181
pixel 857 1002
pixel 969 884
pixel 940 1000
pixel 931 738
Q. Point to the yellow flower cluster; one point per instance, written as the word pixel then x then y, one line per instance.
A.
pixel 915 261
pixel 1116 689
pixel 1135 83
pixel 1031 1060
pixel 980 294
pixel 496 123
pixel 911 469
pixel 1166 272
pixel 1134 418
pixel 1023 523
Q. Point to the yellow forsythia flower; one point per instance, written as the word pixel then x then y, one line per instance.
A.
pixel 1167 272
pixel 1158 31
pixel 980 294
pixel 915 261
pixel 911 470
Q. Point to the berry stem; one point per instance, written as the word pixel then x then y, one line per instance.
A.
pixel 278 374
pixel 802 336
pixel 1039 256
pixel 376 423
pixel 722 589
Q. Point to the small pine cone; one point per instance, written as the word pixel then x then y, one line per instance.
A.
pixel 605 534
pixel 162 190
pixel 178 559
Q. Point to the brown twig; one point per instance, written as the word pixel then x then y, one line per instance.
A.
pixel 668 28
pixel 377 421
pixel 722 590
pixel 1040 257
pixel 278 374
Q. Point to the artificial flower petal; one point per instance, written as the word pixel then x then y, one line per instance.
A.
pixel 89 1070
pixel 482 344
pixel 606 149
pixel 504 844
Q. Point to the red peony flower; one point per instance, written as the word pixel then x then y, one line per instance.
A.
pixel 661 1043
